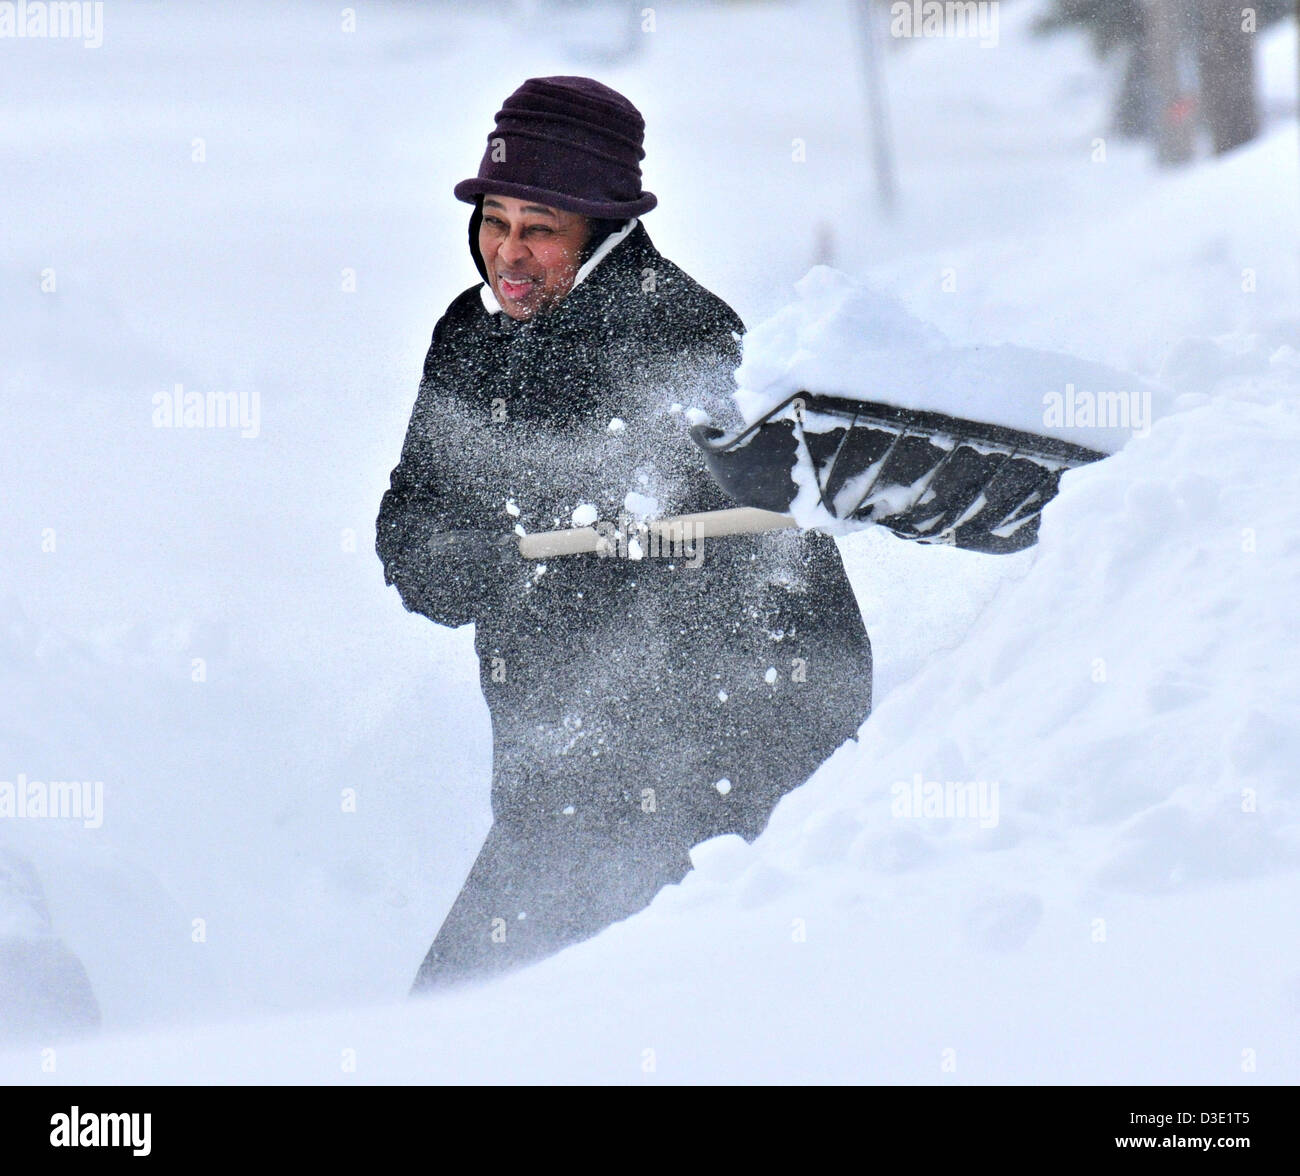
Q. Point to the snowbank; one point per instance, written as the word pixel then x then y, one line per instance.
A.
pixel 1150 281
pixel 1063 852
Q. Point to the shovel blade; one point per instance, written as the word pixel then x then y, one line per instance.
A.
pixel 926 476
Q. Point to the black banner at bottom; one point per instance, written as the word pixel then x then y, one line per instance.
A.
pixel 141 1125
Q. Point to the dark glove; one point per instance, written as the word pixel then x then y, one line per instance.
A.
pixel 464 574
pixel 475 555
pixel 487 548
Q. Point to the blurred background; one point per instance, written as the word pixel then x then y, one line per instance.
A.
pixel 256 198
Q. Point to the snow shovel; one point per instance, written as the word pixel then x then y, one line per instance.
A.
pixel 834 461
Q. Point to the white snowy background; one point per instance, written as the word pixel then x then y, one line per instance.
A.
pixel 1131 683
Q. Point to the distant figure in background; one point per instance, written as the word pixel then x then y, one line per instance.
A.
pixel 638 706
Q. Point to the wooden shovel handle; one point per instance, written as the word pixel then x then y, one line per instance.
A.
pixel 712 524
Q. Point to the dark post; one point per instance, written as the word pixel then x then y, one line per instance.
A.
pixel 1226 53
pixel 882 148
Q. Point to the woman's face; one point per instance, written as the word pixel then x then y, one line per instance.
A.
pixel 531 253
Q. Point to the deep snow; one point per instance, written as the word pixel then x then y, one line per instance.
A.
pixel 1127 910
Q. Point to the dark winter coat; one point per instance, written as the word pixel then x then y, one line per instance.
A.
pixel 638 706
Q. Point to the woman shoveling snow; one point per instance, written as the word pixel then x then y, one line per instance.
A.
pixel 639 706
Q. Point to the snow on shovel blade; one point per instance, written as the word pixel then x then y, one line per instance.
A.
pixel 927 476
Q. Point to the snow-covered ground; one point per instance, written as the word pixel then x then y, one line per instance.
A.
pixel 197 619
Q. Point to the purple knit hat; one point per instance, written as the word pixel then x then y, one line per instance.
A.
pixel 570 143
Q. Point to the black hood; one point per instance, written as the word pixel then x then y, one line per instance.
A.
pixel 476 219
